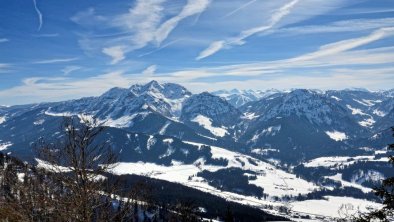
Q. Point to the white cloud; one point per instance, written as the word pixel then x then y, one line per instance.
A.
pixel 368 10
pixel 4 67
pixel 88 18
pixel 39 14
pixel 69 69
pixel 330 55
pixel 116 53
pixel 57 60
pixel 140 23
pixel 39 89
pixel 240 39
pixel 371 79
pixel 352 25
pixel 149 70
pixel 48 35
pixel 212 49
pixel 348 44
pixel 4 40
pixel 317 72
pixel 192 7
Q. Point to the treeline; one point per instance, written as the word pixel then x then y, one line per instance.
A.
pixel 234 180
pixel 369 174
pixel 362 168
pixel 72 183
pixel 28 193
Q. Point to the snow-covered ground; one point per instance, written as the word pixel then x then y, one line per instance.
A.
pixel 379 113
pixel 367 122
pixel 61 114
pixel 207 124
pixel 4 146
pixel 336 98
pixel 2 119
pixel 338 177
pixel 336 135
pixel 164 128
pixel 356 111
pixel 249 116
pixel 122 122
pixel 332 206
pixel 39 122
pixel 338 161
pixel 263 151
pixel 50 167
pixel 275 182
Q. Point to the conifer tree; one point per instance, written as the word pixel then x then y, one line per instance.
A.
pixel 386 193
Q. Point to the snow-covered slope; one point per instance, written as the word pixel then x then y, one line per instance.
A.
pixel 366 106
pixel 273 180
pixel 209 114
pixel 300 124
pixel 276 183
pixel 149 125
pixel 165 99
pixel 308 121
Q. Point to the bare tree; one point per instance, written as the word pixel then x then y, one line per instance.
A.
pixel 72 183
pixel 80 162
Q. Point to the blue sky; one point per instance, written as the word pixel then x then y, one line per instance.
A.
pixel 63 49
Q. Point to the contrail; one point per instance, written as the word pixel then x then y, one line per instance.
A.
pixel 240 39
pixel 39 14
pixel 239 8
pixel 160 48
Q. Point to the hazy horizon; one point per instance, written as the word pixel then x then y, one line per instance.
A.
pixel 194 92
pixel 52 51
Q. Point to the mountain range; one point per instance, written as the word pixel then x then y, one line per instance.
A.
pixel 270 138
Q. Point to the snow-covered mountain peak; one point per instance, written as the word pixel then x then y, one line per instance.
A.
pixel 158 90
pixel 115 93
pixel 357 89
pixel 214 107
pixel 301 95
pixel 235 91
pixel 316 107
pixel 239 98
pixel 389 93
pixel 165 98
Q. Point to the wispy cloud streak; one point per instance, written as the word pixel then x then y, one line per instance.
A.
pixel 352 25
pixel 160 48
pixel 149 70
pixel 69 69
pixel 142 25
pixel 51 61
pixel 141 22
pixel 39 14
pixel 348 44
pixel 239 8
pixel 48 35
pixel 117 53
pixel 240 39
pixel 193 7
